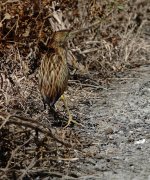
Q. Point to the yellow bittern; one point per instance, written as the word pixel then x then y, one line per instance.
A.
pixel 53 73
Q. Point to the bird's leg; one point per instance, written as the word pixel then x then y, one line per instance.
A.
pixel 56 115
pixel 68 112
pixel 53 112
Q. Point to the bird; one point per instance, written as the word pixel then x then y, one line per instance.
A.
pixel 54 74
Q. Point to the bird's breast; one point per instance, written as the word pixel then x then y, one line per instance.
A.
pixel 53 77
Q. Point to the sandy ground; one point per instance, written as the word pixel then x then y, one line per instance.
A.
pixel 118 122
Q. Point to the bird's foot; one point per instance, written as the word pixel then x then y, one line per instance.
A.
pixel 73 121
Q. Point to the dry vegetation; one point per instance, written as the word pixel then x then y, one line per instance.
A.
pixel 107 38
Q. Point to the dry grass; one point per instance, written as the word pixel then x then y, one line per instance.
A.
pixel 107 38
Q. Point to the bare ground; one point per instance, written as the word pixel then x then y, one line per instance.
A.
pixel 118 121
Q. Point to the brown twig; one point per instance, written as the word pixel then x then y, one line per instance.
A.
pixel 73 33
pixel 28 122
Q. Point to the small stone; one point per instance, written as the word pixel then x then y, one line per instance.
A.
pixel 130 139
pixel 109 131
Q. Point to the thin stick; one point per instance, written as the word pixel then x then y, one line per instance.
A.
pixel 31 123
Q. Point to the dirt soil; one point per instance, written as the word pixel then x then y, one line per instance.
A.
pixel 118 121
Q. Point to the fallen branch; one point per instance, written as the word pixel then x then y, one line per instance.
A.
pixel 6 118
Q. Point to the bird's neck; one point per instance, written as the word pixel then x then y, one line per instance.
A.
pixel 60 50
pixel 58 47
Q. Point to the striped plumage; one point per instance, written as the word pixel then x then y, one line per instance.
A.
pixel 53 73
